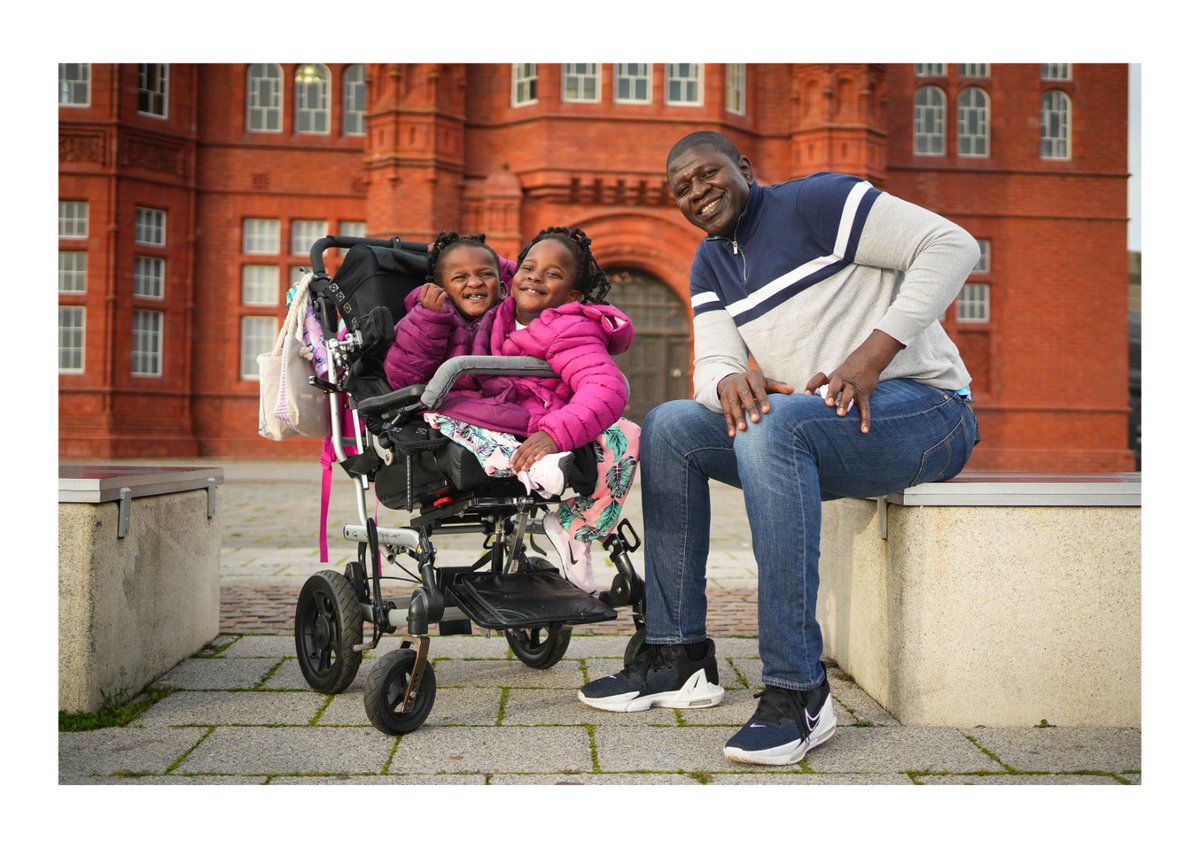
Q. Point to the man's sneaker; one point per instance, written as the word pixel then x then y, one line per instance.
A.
pixel 659 676
pixel 548 476
pixel 785 727
pixel 576 556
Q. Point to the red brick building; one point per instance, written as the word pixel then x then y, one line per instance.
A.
pixel 189 193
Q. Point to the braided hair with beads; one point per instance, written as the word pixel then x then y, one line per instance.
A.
pixel 589 277
pixel 444 243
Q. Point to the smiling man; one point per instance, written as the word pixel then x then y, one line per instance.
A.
pixel 834 288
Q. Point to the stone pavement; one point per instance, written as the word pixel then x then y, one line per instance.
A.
pixel 240 712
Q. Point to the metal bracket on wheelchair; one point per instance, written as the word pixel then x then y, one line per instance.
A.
pixel 414 679
pixel 616 542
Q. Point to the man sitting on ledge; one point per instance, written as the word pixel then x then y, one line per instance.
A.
pixel 836 288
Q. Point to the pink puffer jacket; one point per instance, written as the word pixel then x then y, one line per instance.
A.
pixel 425 339
pixel 589 393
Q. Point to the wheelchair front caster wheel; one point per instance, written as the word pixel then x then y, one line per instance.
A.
pixel 329 624
pixel 539 647
pixel 383 695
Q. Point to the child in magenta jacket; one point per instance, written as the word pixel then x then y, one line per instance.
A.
pixel 555 312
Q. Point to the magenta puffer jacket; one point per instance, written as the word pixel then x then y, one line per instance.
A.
pixel 588 395
pixel 425 339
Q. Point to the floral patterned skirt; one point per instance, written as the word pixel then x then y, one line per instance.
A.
pixel 585 518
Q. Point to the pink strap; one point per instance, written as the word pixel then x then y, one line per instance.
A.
pixel 327 458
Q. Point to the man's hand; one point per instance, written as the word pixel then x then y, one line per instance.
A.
pixel 433 297
pixel 534 448
pixel 855 379
pixel 747 393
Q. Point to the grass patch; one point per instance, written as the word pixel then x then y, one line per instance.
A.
pixel 117 710
pixel 503 704
pixel 988 753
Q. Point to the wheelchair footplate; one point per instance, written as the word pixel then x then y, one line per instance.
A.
pixel 525 599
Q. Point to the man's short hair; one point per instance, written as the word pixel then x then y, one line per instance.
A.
pixel 704 137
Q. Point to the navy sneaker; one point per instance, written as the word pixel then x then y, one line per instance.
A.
pixel 785 727
pixel 659 676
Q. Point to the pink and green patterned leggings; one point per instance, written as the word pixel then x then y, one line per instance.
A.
pixel 585 518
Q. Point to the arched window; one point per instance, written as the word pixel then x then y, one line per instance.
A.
pixel 312 99
pixel 929 122
pixel 1056 125
pixel 264 98
pixel 973 122
pixel 354 100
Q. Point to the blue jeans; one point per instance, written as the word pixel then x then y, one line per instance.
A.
pixel 797 455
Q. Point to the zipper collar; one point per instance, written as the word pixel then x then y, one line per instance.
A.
pixel 749 216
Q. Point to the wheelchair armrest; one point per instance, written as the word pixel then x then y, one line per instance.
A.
pixel 399 399
pixel 455 367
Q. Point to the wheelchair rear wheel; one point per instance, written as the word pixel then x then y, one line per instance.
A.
pixel 383 694
pixel 329 624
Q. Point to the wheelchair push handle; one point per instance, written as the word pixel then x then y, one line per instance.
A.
pixel 315 254
pixel 450 370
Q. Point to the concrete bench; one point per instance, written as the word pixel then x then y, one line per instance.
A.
pixel 138 576
pixel 991 599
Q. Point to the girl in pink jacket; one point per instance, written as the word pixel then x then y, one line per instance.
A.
pixel 556 312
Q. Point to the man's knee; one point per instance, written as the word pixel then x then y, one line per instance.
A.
pixel 781 429
pixel 675 423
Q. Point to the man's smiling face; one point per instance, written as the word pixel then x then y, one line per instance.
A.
pixel 709 188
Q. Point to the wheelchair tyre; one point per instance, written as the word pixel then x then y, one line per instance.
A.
pixel 329 624
pixel 636 642
pixel 539 647
pixel 383 694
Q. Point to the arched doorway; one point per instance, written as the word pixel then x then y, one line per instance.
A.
pixel 658 365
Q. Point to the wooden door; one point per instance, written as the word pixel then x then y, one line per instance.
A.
pixel 658 364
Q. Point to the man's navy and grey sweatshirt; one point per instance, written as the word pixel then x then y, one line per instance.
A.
pixel 813 267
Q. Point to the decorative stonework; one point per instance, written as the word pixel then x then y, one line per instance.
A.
pixel 606 190
pixel 154 155
pixel 81 147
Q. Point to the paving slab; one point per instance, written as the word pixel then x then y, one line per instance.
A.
pixel 737 646
pixel 477 707
pixel 1057 749
pixel 217 673
pixel 541 706
pixel 850 697
pixel 289 676
pixel 895 749
pixel 513 673
pixel 267 750
pixel 384 779
pixel 493 749
pixel 1018 780
pixel 261 646
pixel 687 749
pixel 206 708
pixel 172 779
pixel 594 779
pixel 101 752
pixel 802 779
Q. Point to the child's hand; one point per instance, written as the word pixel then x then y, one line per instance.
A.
pixel 433 297
pixel 534 448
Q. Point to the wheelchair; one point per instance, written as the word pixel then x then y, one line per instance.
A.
pixel 509 587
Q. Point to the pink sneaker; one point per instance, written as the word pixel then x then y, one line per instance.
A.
pixel 546 476
pixel 576 555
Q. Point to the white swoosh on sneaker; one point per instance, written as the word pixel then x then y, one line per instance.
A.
pixel 811 721
pixel 758 725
